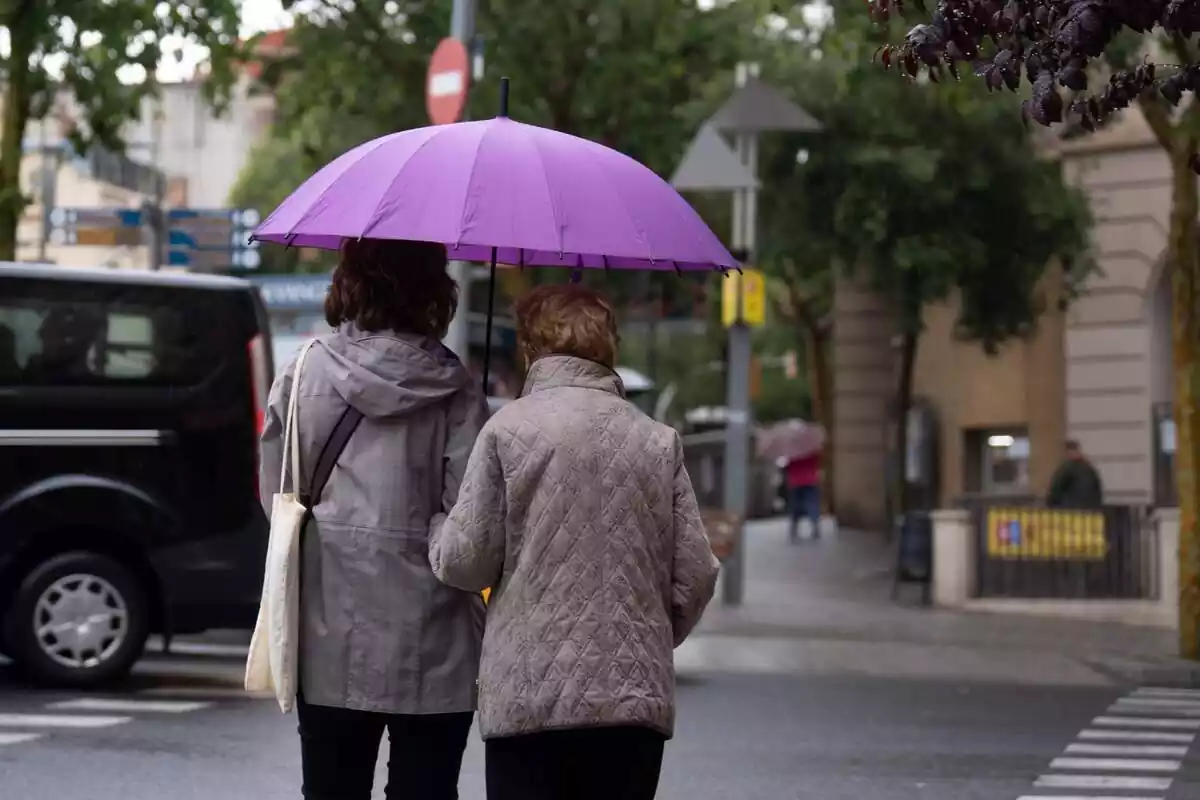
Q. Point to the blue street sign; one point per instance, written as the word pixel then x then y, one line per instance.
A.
pixel 212 239
pixel 96 217
pixel 96 227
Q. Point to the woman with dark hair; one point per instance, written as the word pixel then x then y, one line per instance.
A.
pixel 383 644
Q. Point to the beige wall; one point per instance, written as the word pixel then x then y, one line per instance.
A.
pixel 1117 357
pixel 1091 374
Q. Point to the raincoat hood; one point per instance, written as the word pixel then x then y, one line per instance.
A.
pixel 387 374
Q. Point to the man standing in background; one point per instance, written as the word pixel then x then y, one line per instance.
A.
pixel 1076 483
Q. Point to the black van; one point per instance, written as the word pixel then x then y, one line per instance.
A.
pixel 130 408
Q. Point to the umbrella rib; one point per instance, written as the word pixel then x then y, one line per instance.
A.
pixel 317 202
pixel 377 215
pixel 462 222
pixel 558 226
pixel 637 228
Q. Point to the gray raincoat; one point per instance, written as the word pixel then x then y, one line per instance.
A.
pixel 378 631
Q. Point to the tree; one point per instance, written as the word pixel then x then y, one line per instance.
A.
pixel 944 201
pixel 1059 49
pixel 85 48
pixel 636 75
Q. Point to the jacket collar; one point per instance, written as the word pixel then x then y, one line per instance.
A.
pixel 551 372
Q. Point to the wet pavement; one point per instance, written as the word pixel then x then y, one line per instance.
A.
pixel 818 687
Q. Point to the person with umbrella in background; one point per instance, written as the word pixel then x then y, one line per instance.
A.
pixel 577 508
pixel 383 644
pixel 803 476
pixel 797 445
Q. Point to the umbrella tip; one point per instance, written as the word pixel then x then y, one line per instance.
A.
pixel 504 97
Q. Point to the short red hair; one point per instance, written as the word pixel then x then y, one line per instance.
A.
pixel 567 320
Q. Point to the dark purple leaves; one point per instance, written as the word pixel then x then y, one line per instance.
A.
pixel 1053 44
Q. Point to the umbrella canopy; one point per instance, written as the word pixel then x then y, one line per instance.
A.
pixel 537 196
pixel 790 440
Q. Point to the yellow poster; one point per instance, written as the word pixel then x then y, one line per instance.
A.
pixel 753 289
pixel 1046 533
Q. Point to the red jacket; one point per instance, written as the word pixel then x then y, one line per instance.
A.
pixel 804 471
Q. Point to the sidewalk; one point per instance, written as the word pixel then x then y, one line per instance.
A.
pixel 826 607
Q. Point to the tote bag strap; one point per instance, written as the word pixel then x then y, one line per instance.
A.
pixel 291 439
pixel 330 453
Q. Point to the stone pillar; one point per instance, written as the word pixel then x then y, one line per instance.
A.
pixel 1166 521
pixel 954 563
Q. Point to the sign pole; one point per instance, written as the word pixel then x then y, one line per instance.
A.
pixel 737 403
pixel 462 28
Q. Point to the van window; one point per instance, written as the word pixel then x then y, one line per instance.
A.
pixel 49 342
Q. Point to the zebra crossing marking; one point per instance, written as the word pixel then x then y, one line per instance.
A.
pixel 1150 730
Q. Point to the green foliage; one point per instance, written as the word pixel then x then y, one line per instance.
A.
pixel 926 190
pixel 84 47
pixel 637 75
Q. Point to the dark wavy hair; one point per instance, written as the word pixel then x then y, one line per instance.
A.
pixel 397 285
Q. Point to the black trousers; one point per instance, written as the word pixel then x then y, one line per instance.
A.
pixel 618 763
pixel 339 748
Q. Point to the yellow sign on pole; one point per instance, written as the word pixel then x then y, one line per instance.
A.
pixel 750 288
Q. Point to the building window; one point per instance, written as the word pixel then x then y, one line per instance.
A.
pixel 1005 456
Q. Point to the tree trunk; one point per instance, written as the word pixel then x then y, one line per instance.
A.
pixel 1182 261
pixel 904 390
pixel 12 133
pixel 816 345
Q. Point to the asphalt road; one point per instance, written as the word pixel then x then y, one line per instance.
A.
pixel 180 730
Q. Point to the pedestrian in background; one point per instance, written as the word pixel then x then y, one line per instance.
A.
pixel 578 510
pixel 1076 483
pixel 804 493
pixel 383 643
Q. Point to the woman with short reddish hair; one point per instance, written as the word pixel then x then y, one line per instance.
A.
pixel 577 509
pixel 383 644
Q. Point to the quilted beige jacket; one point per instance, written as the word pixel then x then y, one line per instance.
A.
pixel 577 509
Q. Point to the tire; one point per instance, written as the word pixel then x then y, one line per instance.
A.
pixel 103 612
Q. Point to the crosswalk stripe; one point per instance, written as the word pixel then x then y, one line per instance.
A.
pixel 1176 751
pixel 1139 710
pixel 1117 764
pixel 128 705
pixel 59 721
pixel 1172 703
pixel 204 692
pixel 17 738
pixel 1114 782
pixel 1083 797
pixel 1137 736
pixel 1148 722
pixel 1158 691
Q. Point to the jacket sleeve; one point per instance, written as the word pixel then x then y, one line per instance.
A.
pixel 695 568
pixel 270 446
pixel 466 547
pixel 466 419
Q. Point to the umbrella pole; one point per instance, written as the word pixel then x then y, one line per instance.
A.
pixel 487 339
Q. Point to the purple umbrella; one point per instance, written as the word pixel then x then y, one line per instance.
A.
pixel 537 197
pixel 500 191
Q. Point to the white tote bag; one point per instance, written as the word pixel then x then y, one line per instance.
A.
pixel 274 648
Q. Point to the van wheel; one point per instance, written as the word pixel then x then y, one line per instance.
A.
pixel 78 619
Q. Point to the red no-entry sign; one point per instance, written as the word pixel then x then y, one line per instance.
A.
pixel 446 83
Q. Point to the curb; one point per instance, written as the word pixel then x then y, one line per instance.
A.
pixel 1181 676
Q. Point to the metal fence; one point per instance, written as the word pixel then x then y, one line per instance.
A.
pixel 1031 552
pixel 704 455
